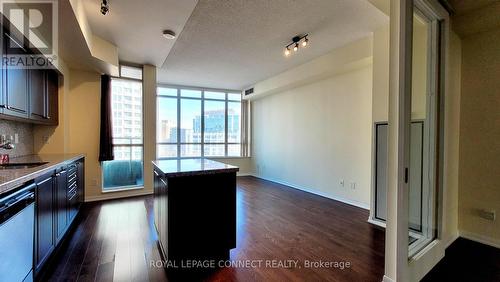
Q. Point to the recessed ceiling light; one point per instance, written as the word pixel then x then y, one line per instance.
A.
pixel 169 34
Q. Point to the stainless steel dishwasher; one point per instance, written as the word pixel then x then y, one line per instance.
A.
pixel 17 223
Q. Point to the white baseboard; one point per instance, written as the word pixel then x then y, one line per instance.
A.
pixel 451 240
pixel 336 198
pixel 480 239
pixel 111 196
pixel 387 279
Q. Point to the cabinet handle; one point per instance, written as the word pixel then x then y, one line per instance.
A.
pixel 164 183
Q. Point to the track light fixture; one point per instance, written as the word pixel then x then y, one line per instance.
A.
pixel 299 39
pixel 104 7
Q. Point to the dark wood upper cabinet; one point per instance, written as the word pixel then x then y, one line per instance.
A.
pixel 38 94
pixel 27 95
pixel 16 92
pixel 16 87
pixel 52 117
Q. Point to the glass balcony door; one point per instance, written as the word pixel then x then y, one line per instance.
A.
pixel 126 170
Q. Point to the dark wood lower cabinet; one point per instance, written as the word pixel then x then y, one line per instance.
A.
pixel 59 195
pixel 44 239
pixel 195 216
pixel 61 200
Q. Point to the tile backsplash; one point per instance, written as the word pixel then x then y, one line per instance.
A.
pixel 25 135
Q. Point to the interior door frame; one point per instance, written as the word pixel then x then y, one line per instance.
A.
pixel 430 151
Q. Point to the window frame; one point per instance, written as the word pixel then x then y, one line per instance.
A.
pixel 202 99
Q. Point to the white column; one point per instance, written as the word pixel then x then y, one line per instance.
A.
pixel 149 123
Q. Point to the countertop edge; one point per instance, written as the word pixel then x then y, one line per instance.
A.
pixel 195 172
pixel 12 184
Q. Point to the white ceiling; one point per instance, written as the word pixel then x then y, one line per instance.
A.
pixel 233 44
pixel 228 44
pixel 136 26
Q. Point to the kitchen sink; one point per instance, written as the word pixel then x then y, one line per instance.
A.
pixel 21 165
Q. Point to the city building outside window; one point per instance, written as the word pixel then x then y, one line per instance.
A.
pixel 193 123
pixel 126 170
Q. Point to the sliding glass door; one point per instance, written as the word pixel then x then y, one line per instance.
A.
pixel 126 170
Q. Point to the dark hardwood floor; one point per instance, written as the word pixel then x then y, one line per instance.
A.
pixel 115 240
pixel 466 260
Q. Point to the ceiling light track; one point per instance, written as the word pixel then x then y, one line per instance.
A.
pixel 104 7
pixel 297 41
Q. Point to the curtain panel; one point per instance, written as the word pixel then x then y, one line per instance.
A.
pixel 106 130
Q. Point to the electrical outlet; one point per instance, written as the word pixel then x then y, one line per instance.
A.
pixel 353 185
pixel 487 214
pixel 341 182
pixel 16 138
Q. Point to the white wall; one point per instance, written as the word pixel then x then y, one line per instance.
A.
pixel 480 137
pixel 243 163
pixel 380 99
pixel 315 135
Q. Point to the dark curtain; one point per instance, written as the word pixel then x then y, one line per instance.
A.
pixel 106 139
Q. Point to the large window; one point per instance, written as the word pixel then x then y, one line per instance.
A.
pixel 126 170
pixel 194 123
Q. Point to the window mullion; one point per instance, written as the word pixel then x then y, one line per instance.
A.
pixel 178 123
pixel 202 141
pixel 225 125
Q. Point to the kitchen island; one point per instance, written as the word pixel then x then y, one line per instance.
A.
pixel 194 210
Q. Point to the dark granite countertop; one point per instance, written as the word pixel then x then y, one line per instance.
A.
pixel 185 167
pixel 12 178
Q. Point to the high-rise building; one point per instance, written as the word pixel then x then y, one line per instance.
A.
pixel 127 118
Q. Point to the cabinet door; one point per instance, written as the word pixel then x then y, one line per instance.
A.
pixel 45 219
pixel 156 200
pixel 80 182
pixel 38 94
pixel 75 188
pixel 61 204
pixel 16 88
pixel 52 117
pixel 164 217
pixel 2 77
